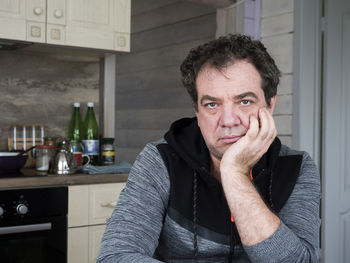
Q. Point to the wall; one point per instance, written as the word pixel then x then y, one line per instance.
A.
pixel 277 36
pixel 149 93
pixel 39 88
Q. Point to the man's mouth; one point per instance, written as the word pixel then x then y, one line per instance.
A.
pixel 230 138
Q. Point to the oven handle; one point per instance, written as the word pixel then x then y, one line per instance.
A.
pixel 25 228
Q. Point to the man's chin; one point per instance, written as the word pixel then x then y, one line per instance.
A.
pixel 218 152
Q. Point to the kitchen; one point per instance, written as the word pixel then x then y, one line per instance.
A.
pixel 39 83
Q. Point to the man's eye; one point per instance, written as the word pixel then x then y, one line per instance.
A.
pixel 245 102
pixel 211 105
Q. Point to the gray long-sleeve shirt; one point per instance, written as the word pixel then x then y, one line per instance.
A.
pixel 139 223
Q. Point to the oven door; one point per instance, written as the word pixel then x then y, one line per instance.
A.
pixel 38 241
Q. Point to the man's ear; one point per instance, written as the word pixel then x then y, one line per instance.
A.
pixel 271 108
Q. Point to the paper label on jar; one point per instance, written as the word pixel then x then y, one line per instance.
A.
pixel 91 147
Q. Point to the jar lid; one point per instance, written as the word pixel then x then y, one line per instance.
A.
pixel 45 147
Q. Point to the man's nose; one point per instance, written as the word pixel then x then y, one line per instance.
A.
pixel 229 116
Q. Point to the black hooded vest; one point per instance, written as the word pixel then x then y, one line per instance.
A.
pixel 186 155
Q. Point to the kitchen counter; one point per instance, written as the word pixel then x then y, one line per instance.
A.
pixel 32 179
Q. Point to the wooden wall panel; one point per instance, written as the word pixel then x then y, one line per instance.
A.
pixel 284 105
pixel 180 32
pixel 167 15
pixel 276 25
pixel 277 29
pixel 281 49
pixel 150 118
pixel 149 93
pixel 283 124
pixel 156 58
pixel 286 85
pixel 142 6
pixel 273 7
pixel 137 138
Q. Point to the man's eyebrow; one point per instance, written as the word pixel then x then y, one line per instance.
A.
pixel 246 94
pixel 207 97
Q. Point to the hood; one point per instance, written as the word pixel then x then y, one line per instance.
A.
pixel 13 45
pixel 185 137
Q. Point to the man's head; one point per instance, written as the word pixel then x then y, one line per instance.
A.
pixel 229 79
pixel 225 51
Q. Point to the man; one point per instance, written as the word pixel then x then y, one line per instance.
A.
pixel 220 187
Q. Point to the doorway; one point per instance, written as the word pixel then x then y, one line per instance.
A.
pixel 322 92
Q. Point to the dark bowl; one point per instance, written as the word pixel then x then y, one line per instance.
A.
pixel 10 162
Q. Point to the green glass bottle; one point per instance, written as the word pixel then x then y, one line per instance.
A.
pixel 91 142
pixel 76 129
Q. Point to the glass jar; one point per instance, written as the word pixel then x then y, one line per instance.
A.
pixel 44 154
pixel 108 153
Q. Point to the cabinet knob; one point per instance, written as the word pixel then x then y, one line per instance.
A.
pixel 38 11
pixel 58 13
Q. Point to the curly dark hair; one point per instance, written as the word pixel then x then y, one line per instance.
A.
pixel 226 50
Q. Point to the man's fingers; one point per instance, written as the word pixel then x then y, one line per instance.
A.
pixel 267 125
pixel 253 127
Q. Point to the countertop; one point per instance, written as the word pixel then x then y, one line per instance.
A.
pixel 32 179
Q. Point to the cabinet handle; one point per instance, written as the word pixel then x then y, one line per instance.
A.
pixel 110 204
pixel 38 11
pixel 58 13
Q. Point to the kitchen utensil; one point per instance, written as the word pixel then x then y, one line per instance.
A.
pixel 11 162
pixel 25 151
pixel 64 161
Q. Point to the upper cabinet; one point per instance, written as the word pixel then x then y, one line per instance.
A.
pixel 100 24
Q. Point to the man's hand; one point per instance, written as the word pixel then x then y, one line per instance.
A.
pixel 254 221
pixel 247 151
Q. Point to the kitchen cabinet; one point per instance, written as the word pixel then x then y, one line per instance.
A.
pixel 88 208
pixel 98 24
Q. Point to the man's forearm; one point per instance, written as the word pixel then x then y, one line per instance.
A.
pixel 254 220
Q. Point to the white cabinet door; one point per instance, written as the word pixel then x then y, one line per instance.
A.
pixel 56 21
pixel 122 14
pixel 92 23
pixel 102 200
pixel 88 208
pixel 13 19
pixel 100 24
pixel 95 237
pixel 36 20
pixel 78 244
pixel 78 205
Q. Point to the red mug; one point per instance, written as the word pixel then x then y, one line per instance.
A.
pixel 79 156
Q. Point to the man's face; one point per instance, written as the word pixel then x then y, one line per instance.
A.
pixel 226 99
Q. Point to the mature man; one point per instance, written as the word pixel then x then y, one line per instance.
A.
pixel 220 187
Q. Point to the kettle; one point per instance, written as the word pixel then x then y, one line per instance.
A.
pixel 64 161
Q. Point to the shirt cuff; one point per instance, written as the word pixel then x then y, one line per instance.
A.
pixel 277 248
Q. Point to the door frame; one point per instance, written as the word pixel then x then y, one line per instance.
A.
pixel 308 83
pixel 307 78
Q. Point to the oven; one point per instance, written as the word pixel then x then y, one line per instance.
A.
pixel 33 225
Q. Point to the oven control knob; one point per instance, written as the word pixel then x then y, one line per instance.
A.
pixel 1 211
pixel 22 209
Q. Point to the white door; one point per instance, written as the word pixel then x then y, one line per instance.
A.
pixel 336 134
